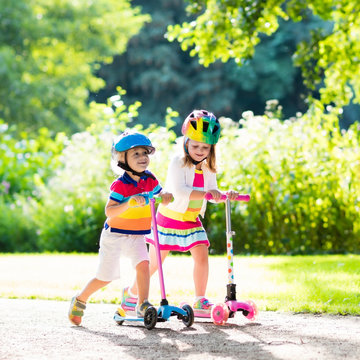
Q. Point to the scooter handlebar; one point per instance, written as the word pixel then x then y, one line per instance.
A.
pixel 155 199
pixel 224 196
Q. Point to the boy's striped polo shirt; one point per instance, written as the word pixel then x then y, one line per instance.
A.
pixel 135 220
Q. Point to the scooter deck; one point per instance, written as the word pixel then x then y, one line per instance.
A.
pixel 121 316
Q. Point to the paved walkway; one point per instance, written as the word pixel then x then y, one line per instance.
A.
pixel 35 329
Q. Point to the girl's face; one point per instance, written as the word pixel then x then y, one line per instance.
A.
pixel 198 150
pixel 138 158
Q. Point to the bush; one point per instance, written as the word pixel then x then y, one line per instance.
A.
pixel 303 177
pixel 17 233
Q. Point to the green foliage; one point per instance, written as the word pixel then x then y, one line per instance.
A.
pixel 26 162
pixel 224 30
pixel 303 177
pixel 17 229
pixel 160 74
pixel 49 51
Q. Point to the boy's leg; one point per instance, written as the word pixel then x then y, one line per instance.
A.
pixel 78 303
pixel 153 266
pixel 92 286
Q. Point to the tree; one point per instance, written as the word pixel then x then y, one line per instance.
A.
pixel 160 74
pixel 49 51
pixel 231 29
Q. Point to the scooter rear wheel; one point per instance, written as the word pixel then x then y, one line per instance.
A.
pixel 120 312
pixel 252 314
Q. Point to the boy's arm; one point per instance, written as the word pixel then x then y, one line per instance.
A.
pixel 113 208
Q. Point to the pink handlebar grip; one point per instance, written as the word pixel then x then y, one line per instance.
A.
pixel 241 197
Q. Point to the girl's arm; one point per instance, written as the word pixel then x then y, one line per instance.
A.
pixel 166 197
pixel 175 181
pixel 199 195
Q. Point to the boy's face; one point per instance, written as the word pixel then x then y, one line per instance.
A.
pixel 137 158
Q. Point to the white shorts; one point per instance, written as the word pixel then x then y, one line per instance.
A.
pixel 112 247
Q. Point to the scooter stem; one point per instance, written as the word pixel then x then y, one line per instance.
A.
pixel 229 243
pixel 157 248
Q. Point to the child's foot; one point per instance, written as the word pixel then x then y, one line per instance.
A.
pixel 202 308
pixel 128 302
pixel 141 309
pixel 76 311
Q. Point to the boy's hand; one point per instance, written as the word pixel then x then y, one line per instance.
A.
pixel 166 197
pixel 232 195
pixel 216 194
pixel 137 200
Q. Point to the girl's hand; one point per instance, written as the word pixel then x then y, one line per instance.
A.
pixel 166 197
pixel 232 195
pixel 216 194
pixel 137 200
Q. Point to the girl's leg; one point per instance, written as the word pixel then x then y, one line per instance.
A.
pixel 152 266
pixel 201 268
pixel 92 286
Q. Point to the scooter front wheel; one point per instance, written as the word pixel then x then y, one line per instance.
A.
pixel 188 320
pixel 150 317
pixel 220 314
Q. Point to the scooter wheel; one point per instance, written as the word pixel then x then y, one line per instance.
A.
pixel 119 312
pixel 150 317
pixel 253 313
pixel 188 320
pixel 220 314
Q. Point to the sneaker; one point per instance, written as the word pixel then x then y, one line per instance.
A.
pixel 128 303
pixel 76 311
pixel 141 309
pixel 202 308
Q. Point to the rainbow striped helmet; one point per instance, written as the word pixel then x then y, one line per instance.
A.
pixel 202 126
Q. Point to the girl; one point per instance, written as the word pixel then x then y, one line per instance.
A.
pixel 190 176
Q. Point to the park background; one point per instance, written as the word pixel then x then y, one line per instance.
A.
pixel 282 76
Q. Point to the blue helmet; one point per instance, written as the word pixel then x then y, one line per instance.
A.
pixel 129 140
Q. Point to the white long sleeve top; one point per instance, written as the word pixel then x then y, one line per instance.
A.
pixel 180 181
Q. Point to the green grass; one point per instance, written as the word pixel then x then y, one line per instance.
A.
pixel 316 284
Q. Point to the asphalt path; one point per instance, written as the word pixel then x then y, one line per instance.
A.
pixel 39 329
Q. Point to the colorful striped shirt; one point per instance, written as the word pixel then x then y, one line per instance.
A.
pixel 135 220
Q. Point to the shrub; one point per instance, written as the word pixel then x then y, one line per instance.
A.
pixel 303 177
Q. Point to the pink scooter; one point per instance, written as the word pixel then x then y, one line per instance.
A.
pixel 222 311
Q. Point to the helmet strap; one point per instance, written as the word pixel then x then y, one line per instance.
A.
pixel 125 166
pixel 187 153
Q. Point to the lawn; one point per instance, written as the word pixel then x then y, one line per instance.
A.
pixel 316 284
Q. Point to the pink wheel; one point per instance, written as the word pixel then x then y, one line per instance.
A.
pixel 252 314
pixel 219 314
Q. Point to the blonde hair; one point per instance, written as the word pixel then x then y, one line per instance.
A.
pixel 210 160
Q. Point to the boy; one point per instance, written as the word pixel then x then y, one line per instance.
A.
pixel 126 225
